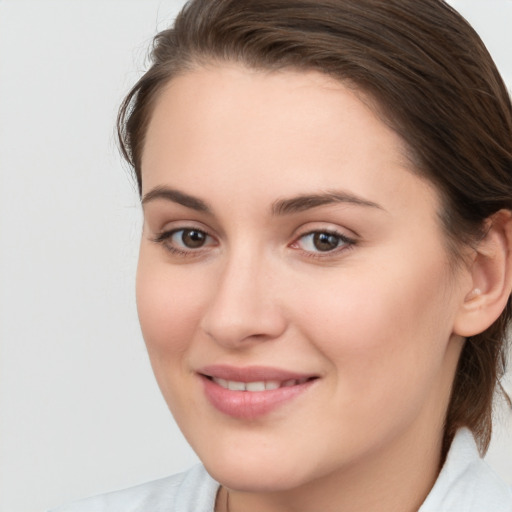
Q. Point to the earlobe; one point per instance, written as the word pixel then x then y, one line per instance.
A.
pixel 491 278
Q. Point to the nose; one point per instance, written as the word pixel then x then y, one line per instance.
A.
pixel 244 308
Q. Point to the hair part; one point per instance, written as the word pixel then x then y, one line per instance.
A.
pixel 428 76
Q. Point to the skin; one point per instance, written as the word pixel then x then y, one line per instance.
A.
pixel 375 319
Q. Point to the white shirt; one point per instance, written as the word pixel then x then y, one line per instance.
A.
pixel 466 484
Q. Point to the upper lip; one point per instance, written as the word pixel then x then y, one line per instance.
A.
pixel 251 373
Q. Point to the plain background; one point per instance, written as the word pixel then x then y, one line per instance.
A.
pixel 80 412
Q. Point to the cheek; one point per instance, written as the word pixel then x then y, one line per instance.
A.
pixel 169 308
pixel 385 332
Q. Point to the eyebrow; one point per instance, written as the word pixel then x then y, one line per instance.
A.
pixel 308 201
pixel 280 207
pixel 171 194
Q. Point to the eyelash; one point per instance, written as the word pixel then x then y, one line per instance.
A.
pixel 162 239
pixel 344 243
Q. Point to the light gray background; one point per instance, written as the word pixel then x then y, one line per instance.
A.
pixel 80 412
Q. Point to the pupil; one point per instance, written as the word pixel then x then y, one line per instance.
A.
pixel 325 241
pixel 193 238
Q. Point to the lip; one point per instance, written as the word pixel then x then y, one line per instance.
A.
pixel 246 404
pixel 251 373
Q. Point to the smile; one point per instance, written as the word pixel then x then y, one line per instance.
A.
pixel 252 392
pixel 257 386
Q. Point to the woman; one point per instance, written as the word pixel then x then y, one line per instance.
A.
pixel 325 265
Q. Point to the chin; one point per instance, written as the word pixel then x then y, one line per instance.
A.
pixel 256 479
pixel 262 471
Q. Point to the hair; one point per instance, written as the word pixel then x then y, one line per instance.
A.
pixel 428 76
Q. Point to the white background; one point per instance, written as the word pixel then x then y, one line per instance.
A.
pixel 79 410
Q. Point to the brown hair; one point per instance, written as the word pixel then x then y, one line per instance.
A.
pixel 432 81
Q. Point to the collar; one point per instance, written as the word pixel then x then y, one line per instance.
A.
pixel 466 483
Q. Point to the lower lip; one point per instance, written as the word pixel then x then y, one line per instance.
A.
pixel 250 404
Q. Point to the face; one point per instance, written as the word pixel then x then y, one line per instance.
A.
pixel 294 290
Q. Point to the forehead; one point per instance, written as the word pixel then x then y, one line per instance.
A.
pixel 257 103
pixel 281 132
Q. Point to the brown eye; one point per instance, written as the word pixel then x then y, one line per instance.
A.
pixel 192 238
pixel 317 242
pixel 325 241
pixel 185 240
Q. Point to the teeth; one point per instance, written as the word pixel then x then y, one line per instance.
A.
pixel 222 383
pixel 236 386
pixel 257 385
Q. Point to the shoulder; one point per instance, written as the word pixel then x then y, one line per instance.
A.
pixel 191 491
pixel 466 482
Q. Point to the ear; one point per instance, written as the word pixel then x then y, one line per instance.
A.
pixel 490 278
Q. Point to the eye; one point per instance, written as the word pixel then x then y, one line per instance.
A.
pixel 189 238
pixel 185 240
pixel 322 242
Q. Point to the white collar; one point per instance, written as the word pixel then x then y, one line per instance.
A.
pixel 466 483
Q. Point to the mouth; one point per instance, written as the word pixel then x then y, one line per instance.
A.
pixel 258 385
pixel 252 392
